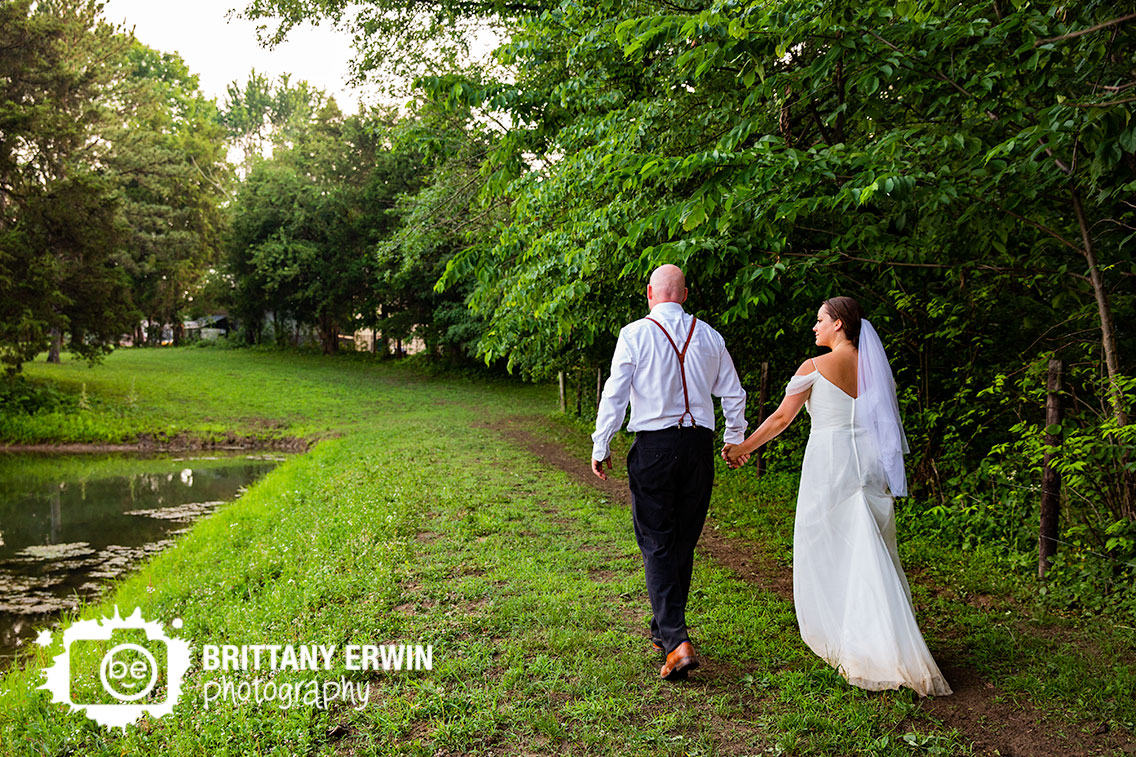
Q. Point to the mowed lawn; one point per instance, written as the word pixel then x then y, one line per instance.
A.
pixel 415 520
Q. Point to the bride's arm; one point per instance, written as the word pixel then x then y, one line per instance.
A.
pixel 771 427
pixel 774 424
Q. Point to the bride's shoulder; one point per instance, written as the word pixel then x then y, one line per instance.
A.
pixel 807 367
pixel 831 361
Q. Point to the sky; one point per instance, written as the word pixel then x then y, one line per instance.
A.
pixel 220 50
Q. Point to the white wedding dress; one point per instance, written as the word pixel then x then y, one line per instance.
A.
pixel 852 599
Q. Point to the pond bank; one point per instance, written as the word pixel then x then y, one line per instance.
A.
pixel 74 523
pixel 181 443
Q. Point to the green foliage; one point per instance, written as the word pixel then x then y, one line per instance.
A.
pixel 436 217
pixel 263 113
pixel 658 155
pixel 171 166
pixel 305 223
pixel 964 170
pixel 109 181
pixel 396 41
pixel 59 231
pixel 234 342
pixel 20 395
pixel 1083 578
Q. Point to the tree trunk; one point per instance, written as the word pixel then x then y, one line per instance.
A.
pixel 1108 334
pixel 329 336
pixel 599 387
pixel 1050 478
pixel 785 122
pixel 563 399
pixel 382 344
pixel 254 329
pixel 56 345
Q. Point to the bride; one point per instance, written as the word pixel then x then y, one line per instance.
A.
pixel 852 599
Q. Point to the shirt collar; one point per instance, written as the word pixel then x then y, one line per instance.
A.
pixel 668 308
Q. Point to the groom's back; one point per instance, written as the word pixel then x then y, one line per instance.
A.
pixel 657 365
pixel 658 399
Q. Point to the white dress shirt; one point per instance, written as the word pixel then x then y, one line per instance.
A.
pixel 645 369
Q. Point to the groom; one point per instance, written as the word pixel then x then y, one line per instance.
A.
pixel 669 364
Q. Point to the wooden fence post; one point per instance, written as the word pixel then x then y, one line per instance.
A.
pixel 762 398
pixel 1050 478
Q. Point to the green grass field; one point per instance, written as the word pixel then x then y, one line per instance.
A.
pixel 415 520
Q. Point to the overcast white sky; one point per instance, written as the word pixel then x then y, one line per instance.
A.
pixel 220 50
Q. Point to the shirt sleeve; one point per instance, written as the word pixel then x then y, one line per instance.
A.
pixel 799 384
pixel 616 395
pixel 729 387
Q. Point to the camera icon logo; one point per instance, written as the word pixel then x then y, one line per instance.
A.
pixel 128 674
pixel 115 670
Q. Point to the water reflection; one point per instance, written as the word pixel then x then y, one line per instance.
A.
pixel 68 524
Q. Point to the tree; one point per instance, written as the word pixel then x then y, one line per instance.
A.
pixel 59 233
pixel 306 221
pixel 965 169
pixel 112 168
pixel 264 114
pixel 169 161
pixel 401 41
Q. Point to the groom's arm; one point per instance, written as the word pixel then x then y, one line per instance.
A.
pixel 613 402
pixel 729 387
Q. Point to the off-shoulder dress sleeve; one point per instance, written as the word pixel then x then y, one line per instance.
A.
pixel 799 384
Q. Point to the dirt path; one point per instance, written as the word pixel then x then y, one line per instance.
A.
pixel 995 727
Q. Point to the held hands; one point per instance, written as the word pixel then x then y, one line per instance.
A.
pixel 733 456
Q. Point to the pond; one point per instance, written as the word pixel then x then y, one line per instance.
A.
pixel 71 523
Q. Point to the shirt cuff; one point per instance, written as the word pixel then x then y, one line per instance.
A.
pixel 601 453
pixel 733 437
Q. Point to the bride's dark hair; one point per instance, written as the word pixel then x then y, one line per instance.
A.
pixel 849 313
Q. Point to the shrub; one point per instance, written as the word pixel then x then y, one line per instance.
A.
pixel 20 395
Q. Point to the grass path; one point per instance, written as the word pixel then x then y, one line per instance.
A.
pixel 1079 676
pixel 424 517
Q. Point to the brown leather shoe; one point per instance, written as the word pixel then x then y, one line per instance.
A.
pixel 679 663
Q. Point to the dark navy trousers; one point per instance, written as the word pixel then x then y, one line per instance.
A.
pixel 671 473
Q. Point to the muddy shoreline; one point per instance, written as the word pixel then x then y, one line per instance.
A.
pixel 66 543
pixel 179 443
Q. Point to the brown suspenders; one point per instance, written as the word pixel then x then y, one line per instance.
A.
pixel 681 366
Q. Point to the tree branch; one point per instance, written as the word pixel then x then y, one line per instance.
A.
pixel 938 75
pixel 1042 228
pixel 224 191
pixel 1102 105
pixel 1091 29
pixel 934 266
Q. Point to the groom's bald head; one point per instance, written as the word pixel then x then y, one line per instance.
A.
pixel 667 285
